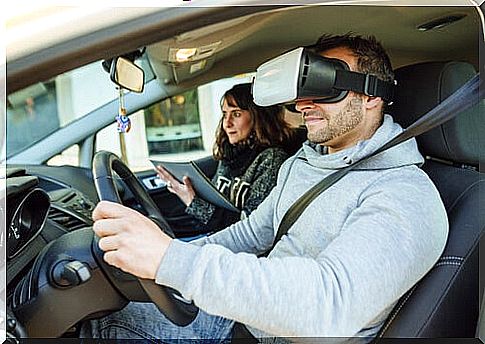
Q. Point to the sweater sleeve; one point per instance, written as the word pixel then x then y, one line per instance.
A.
pixel 256 233
pixel 387 244
pixel 201 209
pixel 266 167
pixel 264 180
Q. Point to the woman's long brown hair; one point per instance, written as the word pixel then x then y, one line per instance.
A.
pixel 269 126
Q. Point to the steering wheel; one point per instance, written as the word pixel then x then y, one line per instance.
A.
pixel 168 301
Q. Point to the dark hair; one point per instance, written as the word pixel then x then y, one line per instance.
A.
pixel 371 56
pixel 269 125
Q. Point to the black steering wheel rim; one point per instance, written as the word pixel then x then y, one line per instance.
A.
pixel 166 299
pixel 104 164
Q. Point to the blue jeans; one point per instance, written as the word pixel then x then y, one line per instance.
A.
pixel 144 321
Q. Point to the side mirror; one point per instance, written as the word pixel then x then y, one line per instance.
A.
pixel 127 74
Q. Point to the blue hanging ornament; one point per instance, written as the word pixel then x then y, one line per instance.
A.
pixel 124 123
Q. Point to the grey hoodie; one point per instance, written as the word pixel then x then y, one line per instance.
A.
pixel 342 266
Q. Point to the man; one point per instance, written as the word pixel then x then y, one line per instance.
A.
pixel 342 266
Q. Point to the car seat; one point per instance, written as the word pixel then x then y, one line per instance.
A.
pixel 445 303
pixel 294 144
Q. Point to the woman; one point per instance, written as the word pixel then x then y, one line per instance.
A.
pixel 248 147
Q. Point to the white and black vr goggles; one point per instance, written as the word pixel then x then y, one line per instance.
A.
pixel 304 75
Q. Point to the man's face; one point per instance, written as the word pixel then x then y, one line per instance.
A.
pixel 334 123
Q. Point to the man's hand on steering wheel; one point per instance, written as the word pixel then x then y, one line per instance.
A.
pixel 131 241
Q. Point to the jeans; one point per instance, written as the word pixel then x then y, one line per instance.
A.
pixel 143 321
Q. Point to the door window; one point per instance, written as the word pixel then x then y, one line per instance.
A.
pixel 173 125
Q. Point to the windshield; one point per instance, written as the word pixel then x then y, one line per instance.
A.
pixel 37 111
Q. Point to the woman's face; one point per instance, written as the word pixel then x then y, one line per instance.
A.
pixel 236 122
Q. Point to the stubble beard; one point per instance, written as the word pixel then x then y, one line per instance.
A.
pixel 346 120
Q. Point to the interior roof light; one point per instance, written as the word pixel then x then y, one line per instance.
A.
pixel 184 55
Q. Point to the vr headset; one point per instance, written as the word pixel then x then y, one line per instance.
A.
pixel 301 74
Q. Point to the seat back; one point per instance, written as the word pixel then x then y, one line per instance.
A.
pixel 294 143
pixel 445 303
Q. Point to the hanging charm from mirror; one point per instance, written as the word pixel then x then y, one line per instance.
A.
pixel 124 123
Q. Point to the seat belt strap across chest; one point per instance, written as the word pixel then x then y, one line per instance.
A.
pixel 462 99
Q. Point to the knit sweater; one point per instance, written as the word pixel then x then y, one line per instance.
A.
pixel 340 269
pixel 246 191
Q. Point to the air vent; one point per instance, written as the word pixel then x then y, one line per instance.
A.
pixel 69 197
pixel 66 220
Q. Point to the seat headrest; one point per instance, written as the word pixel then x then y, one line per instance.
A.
pixel 423 86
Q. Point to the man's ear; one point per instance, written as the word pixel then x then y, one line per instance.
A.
pixel 373 102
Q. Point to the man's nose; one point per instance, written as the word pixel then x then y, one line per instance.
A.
pixel 304 105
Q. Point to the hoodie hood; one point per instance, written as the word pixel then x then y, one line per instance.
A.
pixel 405 153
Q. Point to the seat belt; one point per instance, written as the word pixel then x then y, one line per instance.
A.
pixel 462 99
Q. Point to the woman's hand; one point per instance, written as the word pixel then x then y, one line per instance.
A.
pixel 184 191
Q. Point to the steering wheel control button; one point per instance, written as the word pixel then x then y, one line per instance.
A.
pixel 70 273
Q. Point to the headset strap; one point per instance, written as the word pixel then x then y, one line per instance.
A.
pixel 462 99
pixel 367 84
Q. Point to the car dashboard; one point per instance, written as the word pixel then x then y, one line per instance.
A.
pixel 43 204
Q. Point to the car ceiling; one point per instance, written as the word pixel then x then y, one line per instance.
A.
pixel 250 35
pixel 244 43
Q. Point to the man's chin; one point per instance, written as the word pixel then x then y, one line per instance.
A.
pixel 317 139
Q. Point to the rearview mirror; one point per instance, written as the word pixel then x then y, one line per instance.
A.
pixel 127 74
